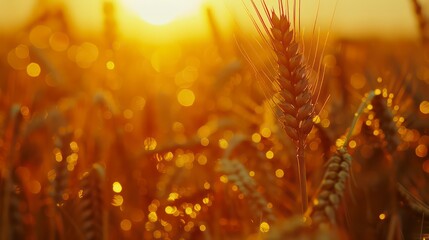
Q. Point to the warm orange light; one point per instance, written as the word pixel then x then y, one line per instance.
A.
pixel 269 154
pixel 126 225
pixel 33 69
pixel 117 187
pixel 202 228
pixel 264 227
pixel 161 12
pixel 421 150
pixel 186 97
pixel 118 200
pixel 426 166
pixel 280 173
pixel 424 107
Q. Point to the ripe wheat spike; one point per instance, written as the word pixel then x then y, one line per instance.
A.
pixel 387 125
pixel 91 204
pixel 238 175
pixel 291 89
pixel 332 187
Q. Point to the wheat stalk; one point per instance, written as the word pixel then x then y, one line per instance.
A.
pixel 91 205
pixel 60 183
pixel 413 202
pixel 422 21
pixel 16 207
pixel 291 88
pixel 357 115
pixel 391 141
pixel 11 136
pixel 301 228
pixel 110 23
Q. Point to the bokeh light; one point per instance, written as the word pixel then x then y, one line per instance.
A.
pixel 186 97
pixel 424 107
pixel 264 227
pixel 117 187
pixel 33 69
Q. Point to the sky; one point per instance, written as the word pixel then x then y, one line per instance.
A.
pixel 352 18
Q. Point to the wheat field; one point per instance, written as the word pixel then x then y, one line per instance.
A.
pixel 275 135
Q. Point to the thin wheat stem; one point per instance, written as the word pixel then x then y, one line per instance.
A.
pixel 357 115
pixel 421 20
pixel 421 225
pixel 302 174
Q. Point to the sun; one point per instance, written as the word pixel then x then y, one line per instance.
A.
pixel 161 12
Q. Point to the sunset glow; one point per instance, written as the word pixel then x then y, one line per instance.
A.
pixel 161 12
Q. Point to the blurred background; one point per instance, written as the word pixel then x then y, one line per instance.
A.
pixel 154 105
pixel 353 19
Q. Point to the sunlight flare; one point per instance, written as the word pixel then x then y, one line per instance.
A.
pixel 161 12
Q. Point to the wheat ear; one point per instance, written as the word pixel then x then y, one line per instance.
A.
pixel 296 98
pixel 332 187
pixel 238 175
pixel 61 181
pixel 388 126
pixel 91 205
pixel 391 142
pixel 291 88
